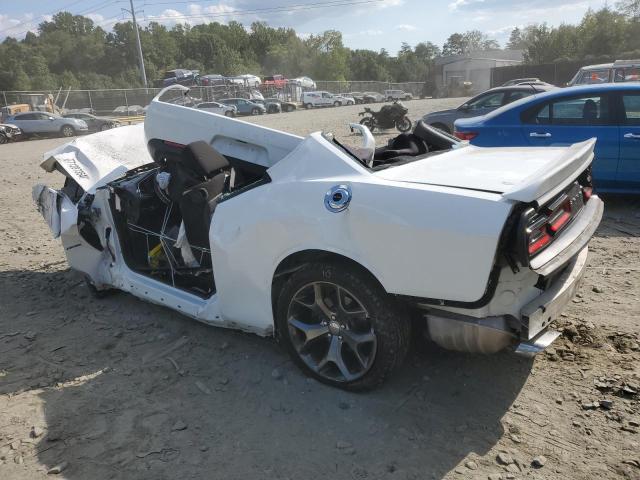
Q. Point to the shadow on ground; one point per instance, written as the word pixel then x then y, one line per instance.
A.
pixel 131 390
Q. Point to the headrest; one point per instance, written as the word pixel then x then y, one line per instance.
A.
pixel 208 159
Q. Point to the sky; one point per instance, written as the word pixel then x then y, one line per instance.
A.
pixel 371 24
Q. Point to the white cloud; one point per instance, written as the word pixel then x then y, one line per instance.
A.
pixel 390 3
pixel 406 27
pixel 195 14
pixel 456 4
pixel 17 27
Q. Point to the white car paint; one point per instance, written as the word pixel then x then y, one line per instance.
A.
pixel 217 107
pixel 324 99
pixel 423 230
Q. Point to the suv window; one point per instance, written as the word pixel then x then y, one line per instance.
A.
pixel 588 110
pixel 627 74
pixel 518 95
pixel 491 100
pixel 631 104
pixel 594 76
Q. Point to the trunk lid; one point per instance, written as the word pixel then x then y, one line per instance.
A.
pixel 95 160
pixel 524 174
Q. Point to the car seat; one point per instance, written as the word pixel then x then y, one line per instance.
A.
pixel 198 203
pixel 198 178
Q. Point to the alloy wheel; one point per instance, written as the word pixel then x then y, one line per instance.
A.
pixel 331 331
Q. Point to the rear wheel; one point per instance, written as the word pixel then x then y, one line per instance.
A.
pixel 341 327
pixel 404 124
pixel 3 138
pixel 255 111
pixel 336 104
pixel 229 113
pixel 307 106
pixel 104 126
pixel 67 131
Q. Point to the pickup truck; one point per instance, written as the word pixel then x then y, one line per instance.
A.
pixel 336 251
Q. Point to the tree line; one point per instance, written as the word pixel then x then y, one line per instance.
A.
pixel 71 51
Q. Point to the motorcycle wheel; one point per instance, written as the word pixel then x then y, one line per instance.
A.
pixel 368 122
pixel 404 124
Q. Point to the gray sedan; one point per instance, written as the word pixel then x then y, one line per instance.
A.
pixel 34 123
pixel 481 105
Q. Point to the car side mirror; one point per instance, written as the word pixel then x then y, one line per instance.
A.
pixel 465 107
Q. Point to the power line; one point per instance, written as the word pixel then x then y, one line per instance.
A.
pixel 40 16
pixel 99 6
pixel 294 8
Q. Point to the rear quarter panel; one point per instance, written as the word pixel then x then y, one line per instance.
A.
pixel 417 240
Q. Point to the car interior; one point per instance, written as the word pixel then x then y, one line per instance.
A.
pixel 163 211
pixel 425 141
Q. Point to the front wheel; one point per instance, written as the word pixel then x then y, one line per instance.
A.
pixel 341 327
pixel 104 127
pixel 3 138
pixel 404 124
pixel 229 113
pixel 255 111
pixel 307 106
pixel 67 131
pixel 336 104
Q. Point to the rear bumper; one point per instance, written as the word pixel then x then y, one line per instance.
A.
pixel 538 314
pixel 528 330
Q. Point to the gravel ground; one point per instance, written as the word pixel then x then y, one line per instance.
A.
pixel 121 389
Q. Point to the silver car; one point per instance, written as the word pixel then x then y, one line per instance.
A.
pixel 482 104
pixel 219 108
pixel 44 123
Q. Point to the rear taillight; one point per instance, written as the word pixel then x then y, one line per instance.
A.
pixel 537 235
pixel 466 135
pixel 544 225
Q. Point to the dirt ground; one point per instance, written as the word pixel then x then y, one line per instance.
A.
pixel 121 389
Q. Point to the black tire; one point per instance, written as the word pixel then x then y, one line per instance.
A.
pixel 67 131
pixel 228 113
pixel 105 126
pixel 336 104
pixel 441 126
pixel 384 319
pixel 403 125
pixel 3 139
pixel 308 106
pixel 255 111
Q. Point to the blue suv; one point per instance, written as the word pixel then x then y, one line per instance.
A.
pixel 610 113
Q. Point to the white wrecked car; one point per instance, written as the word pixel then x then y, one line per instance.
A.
pixel 331 250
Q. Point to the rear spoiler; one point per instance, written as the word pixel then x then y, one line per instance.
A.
pixel 542 185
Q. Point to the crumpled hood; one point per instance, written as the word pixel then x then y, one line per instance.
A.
pixel 95 160
pixel 518 173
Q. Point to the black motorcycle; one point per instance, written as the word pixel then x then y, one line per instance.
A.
pixel 389 116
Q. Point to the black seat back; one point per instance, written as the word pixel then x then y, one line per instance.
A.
pixel 434 137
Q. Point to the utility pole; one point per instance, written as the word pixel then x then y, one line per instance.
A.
pixel 143 73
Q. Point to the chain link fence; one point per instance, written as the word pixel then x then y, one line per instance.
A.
pixel 132 101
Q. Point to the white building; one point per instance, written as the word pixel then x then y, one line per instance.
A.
pixel 474 67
